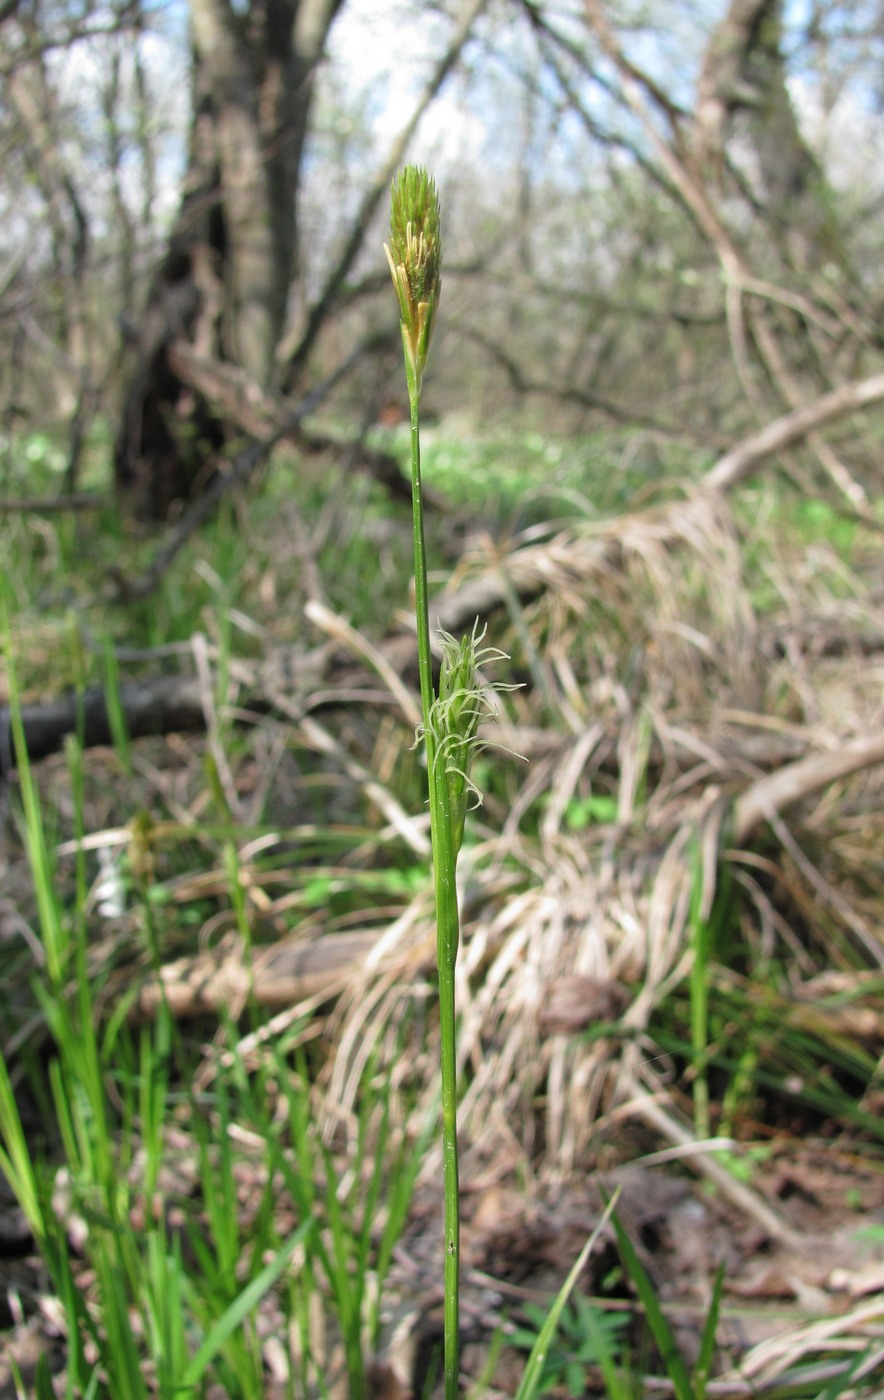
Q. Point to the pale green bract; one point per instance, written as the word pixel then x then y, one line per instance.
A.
pixel 463 701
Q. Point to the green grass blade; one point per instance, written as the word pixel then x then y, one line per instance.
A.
pixel 662 1332
pixel 15 1377
pixel 43 1389
pixel 840 1384
pixel 533 1373
pixel 380 1170
pixel 15 1159
pixel 707 1341
pixel 615 1385
pixel 91 1390
pixel 120 1348
pixel 239 1309
pixel 51 928
pixel 219 1189
pixel 347 1282
pixel 401 1191
pixel 701 938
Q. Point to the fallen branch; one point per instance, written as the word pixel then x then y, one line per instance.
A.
pixel 770 795
pixel 172 703
pixel 290 683
pixel 527 573
pixel 167 705
pixel 785 432
pixel 237 473
pixel 51 505
pixel 262 414
pixel 283 975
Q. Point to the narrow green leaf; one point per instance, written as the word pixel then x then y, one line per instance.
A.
pixel 240 1308
pixel 663 1334
pixel 615 1385
pixel 533 1373
pixel 839 1384
pixel 15 1159
pixel 707 1341
pixel 43 1389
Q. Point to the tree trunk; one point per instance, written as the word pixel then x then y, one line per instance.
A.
pixel 743 94
pixel 232 255
pixel 34 101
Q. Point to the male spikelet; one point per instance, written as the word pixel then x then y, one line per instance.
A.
pixel 415 257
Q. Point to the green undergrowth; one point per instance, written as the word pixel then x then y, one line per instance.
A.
pixel 209 1210
pixel 789 538
pixel 518 480
pixel 247 562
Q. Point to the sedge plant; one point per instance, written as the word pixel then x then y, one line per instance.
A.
pixel 415 257
pixel 451 713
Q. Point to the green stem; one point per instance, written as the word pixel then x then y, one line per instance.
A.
pixel 447 919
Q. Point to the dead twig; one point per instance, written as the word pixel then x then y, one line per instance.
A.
pixel 797 780
pixel 281 976
pixel 51 505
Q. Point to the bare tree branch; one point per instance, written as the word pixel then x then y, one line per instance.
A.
pixel 236 475
pixel 742 460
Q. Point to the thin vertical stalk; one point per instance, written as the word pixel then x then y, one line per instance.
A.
pixel 414 254
pixel 447 919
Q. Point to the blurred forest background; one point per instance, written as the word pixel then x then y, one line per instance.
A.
pixel 653 464
pixel 662 221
